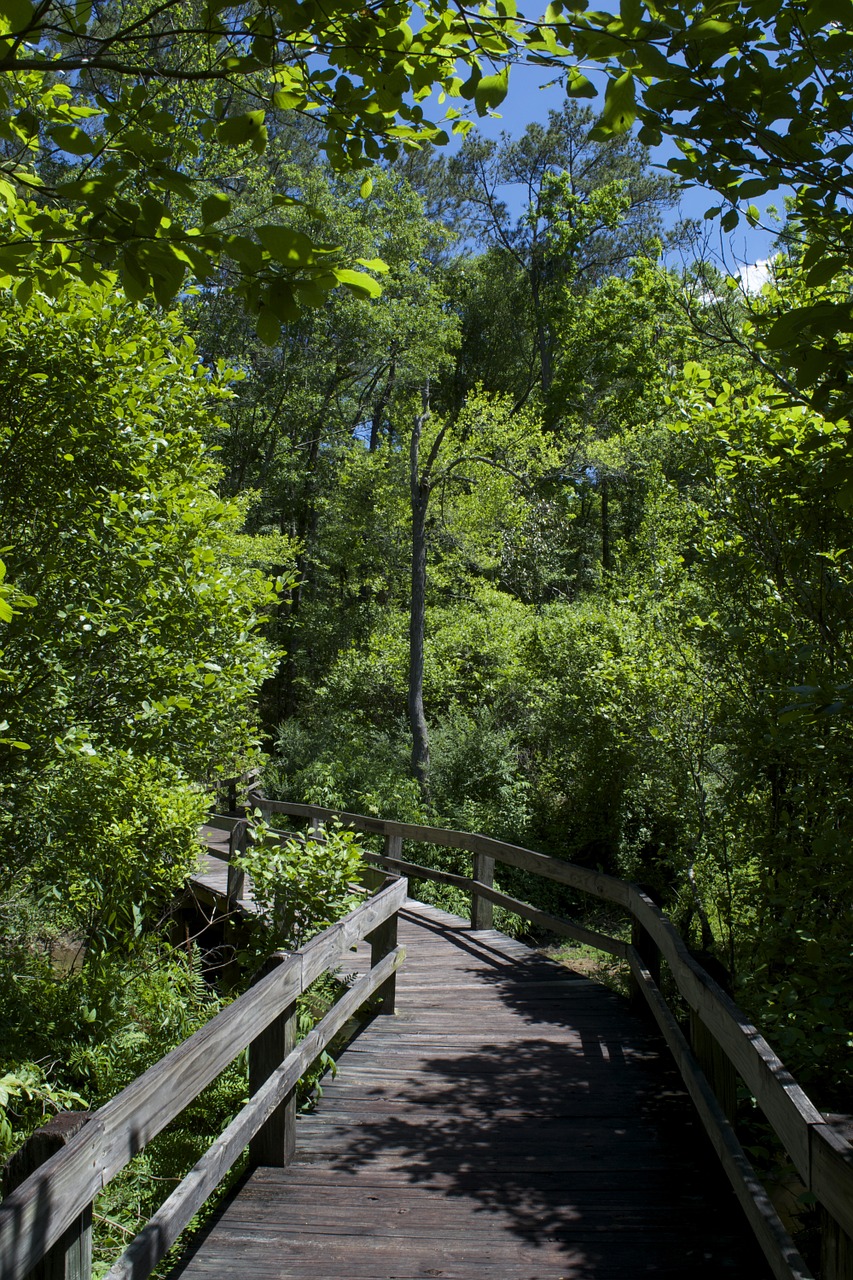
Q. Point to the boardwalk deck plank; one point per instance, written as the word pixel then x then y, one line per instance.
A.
pixel 514 1121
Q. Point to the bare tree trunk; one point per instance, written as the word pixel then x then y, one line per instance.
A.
pixel 420 489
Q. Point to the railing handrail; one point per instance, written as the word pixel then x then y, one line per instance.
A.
pixel 35 1215
pixel 822 1158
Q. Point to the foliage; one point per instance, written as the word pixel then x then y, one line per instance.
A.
pixel 130 657
pixel 24 1092
pixel 105 842
pixel 589 208
pixel 141 634
pixel 606 506
pixel 777 628
pixel 302 886
pixel 135 98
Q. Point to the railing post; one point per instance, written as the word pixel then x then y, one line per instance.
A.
pixel 383 940
pixel 71 1256
pixel 482 911
pixel 833 1181
pixel 232 795
pixel 645 946
pixel 836 1249
pixel 236 875
pixel 718 1071
pixel 274 1144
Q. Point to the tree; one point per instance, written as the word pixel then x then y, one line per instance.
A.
pixel 130 672
pixel 308 406
pixel 487 444
pixel 589 208
pixel 754 94
pixel 108 111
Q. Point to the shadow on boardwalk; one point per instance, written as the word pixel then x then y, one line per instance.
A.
pixel 513 1122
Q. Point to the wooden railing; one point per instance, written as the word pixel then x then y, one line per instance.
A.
pixel 720 1043
pixel 45 1221
pixel 238 832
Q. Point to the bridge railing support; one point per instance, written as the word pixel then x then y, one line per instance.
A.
pixel 646 948
pixel 482 910
pixel 382 942
pixel 836 1250
pixel 724 1045
pixel 44 1219
pixel 236 884
pixel 275 1142
pixel 71 1257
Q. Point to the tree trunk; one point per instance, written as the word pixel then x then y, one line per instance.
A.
pixel 606 554
pixel 381 405
pixel 417 615
pixel 543 338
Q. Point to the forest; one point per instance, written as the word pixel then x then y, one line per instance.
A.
pixel 438 475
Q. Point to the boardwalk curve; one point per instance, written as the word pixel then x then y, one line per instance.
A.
pixel 513 1120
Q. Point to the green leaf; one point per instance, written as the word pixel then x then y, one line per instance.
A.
pixel 215 207
pixel 278 297
pixel 17 13
pixel 269 327
pixel 366 188
pixel 630 12
pixel 364 286
pixel 824 271
pixel 287 99
pixel 374 264
pixel 245 252
pixel 236 131
pixel 469 88
pixel 286 245
pixel 620 105
pixel 491 91
pixel 71 139
pixel 580 86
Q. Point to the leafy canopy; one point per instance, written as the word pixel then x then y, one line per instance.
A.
pixel 107 111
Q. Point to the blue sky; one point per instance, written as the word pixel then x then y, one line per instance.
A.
pixel 527 101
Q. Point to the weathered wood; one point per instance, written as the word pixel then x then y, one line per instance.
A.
pixel 532 1144
pixel 324 950
pixel 382 941
pixel 157 1237
pixel 236 875
pixel 832 1184
pixel 223 822
pixel 786 1106
pixel 393 846
pixel 416 871
pixel 482 913
pixel 644 945
pixel 275 1142
pixel 716 1066
pixel 600 886
pixel 34 1216
pixel 71 1256
pixel 836 1250
pixel 555 924
pixel 778 1248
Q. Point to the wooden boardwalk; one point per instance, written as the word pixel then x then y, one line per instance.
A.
pixel 514 1121
pixel 209 882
